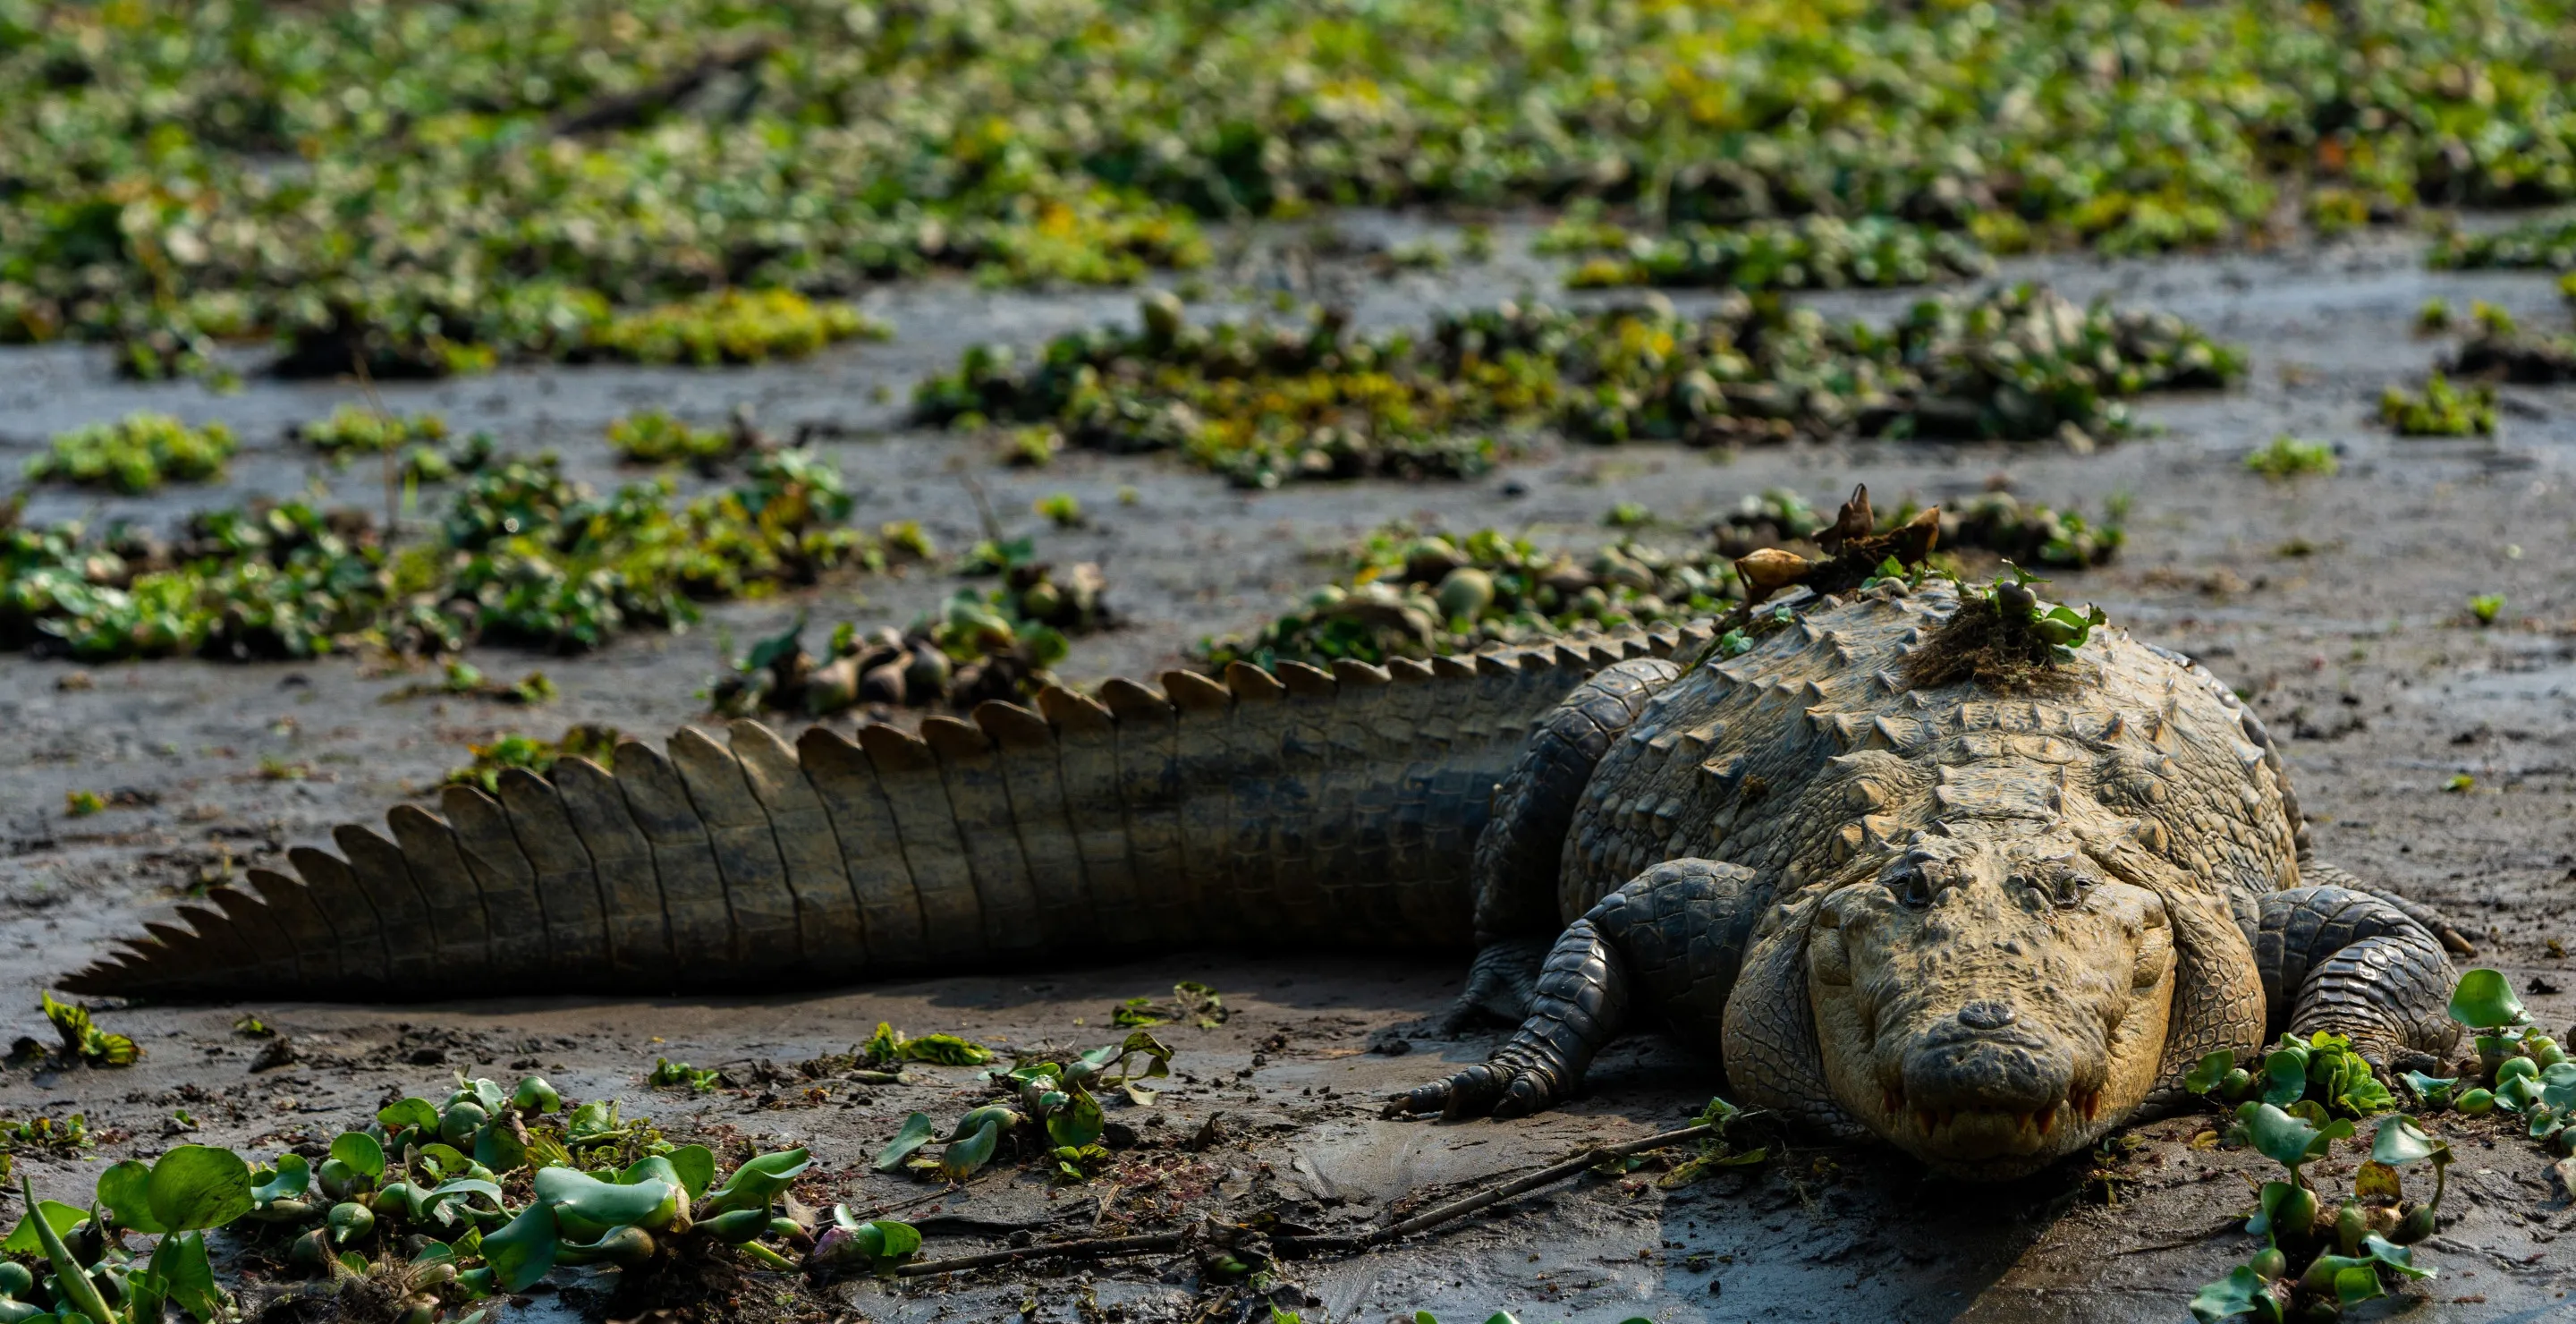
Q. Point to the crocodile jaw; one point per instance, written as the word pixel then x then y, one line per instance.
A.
pixel 1989 1034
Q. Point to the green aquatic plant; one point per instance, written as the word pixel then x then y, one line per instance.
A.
pixel 136 454
pixel 1266 404
pixel 2443 410
pixel 2286 456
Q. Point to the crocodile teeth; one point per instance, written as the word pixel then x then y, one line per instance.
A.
pixel 2088 1103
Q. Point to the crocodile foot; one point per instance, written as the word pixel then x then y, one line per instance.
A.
pixel 1496 1088
pixel 1576 1004
pixel 1499 986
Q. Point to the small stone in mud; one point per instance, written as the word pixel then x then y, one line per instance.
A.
pixel 428 1057
pixel 276 1053
pixel 1390 1045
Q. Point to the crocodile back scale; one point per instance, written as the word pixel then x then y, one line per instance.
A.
pixel 1302 807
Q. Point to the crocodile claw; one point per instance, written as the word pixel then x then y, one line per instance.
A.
pixel 1498 1089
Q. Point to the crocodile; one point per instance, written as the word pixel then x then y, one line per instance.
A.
pixel 1984 921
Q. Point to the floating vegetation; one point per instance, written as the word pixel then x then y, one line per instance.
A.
pixel 429 1210
pixel 1000 643
pixel 2503 352
pixel 82 1040
pixel 523 555
pixel 654 437
pixel 1263 404
pixel 2443 410
pixel 1048 1098
pixel 136 454
pixel 360 430
pixel 1412 594
pixel 2021 531
pixel 464 193
pixel 2286 456
pixel 1812 252
pixel 2548 243
pixel 1407 593
pixel 514 750
pixel 732 326
pixel 463 679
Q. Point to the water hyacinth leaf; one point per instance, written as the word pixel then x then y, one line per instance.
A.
pixel 2392 1257
pixel 2357 1283
pixel 71 1277
pixel 603 1203
pixel 197 1186
pixel 62 1218
pixel 651 1167
pixel 2484 1000
pixel 2433 1090
pixel 462 1190
pixel 188 1277
pixel 2401 1140
pixel 412 1114
pixel 2212 1068
pixel 1077 1123
pixel 292 1178
pixel 593 1123
pixel 2517 1093
pixel 695 1166
pixel 759 1181
pixel 888 1241
pixel 2309 1111
pixel 2268 1203
pixel 521 1253
pixel 916 1132
pixel 2558 1088
pixel 499 1148
pixel 361 1152
pixel 439 1157
pixel 122 1189
pixel 2291 1141
pixel 2285 1076
pixel 945 1050
pixel 2376 1179
pixel 963 1158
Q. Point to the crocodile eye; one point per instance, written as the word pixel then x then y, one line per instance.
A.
pixel 1913 890
pixel 2064 887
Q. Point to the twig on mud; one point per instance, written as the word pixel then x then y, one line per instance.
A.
pixel 1096 1247
pixel 2229 1225
pixel 1431 1218
pixel 1093 1247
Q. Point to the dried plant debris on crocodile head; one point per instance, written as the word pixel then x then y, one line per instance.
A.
pixel 2004 638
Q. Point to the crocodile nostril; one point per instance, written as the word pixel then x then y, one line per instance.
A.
pixel 1986 1016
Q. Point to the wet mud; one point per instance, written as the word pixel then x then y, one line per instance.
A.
pixel 2338 605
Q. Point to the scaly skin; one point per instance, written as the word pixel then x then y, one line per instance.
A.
pixel 1987 927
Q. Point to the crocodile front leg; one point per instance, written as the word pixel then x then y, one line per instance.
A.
pixel 1675 936
pixel 1518 855
pixel 2340 959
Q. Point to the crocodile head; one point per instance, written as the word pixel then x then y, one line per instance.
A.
pixel 1990 999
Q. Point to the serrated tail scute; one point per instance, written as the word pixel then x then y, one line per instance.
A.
pixel 1297 806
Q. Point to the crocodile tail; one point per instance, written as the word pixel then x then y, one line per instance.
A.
pixel 1300 807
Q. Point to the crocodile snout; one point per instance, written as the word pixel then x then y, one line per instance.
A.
pixel 1987 1015
pixel 2005 1074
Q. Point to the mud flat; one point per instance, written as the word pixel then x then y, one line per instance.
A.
pixel 2337 604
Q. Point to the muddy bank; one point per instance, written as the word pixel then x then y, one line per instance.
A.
pixel 2339 605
